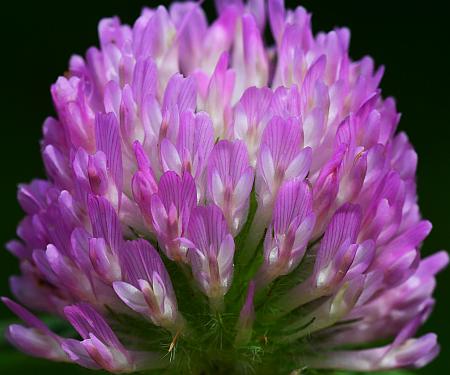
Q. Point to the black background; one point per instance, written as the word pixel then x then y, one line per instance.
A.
pixel 411 38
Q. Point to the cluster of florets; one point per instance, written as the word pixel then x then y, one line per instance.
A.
pixel 216 204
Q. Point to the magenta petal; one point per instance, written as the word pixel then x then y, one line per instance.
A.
pixel 37 340
pixel 131 296
pixel 281 157
pixel 212 257
pixel 191 23
pixel 35 343
pixel 289 232
pixel 30 319
pixel 149 291
pixel 108 141
pixel 105 222
pixel 78 354
pixel 230 180
pixel 86 321
pixel 344 226
pixel 104 261
pixel 171 208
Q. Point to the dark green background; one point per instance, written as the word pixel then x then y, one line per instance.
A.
pixel 410 38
